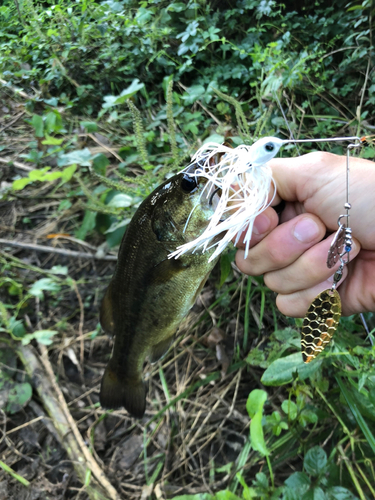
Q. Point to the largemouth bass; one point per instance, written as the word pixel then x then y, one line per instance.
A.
pixel 150 294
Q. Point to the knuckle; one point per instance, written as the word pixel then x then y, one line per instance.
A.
pixel 321 157
pixel 273 282
pixel 276 255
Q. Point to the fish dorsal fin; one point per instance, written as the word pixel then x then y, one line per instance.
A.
pixel 165 271
pixel 159 350
pixel 106 312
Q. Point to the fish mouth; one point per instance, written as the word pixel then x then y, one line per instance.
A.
pixel 210 192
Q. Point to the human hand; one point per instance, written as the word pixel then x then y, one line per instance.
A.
pixel 292 256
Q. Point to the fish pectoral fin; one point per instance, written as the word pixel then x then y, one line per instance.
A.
pixel 165 271
pixel 117 390
pixel 106 312
pixel 159 350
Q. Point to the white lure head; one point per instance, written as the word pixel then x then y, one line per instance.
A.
pixel 245 181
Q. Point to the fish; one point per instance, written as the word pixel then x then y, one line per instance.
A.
pixel 150 294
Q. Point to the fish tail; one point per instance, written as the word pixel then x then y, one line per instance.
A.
pixel 118 390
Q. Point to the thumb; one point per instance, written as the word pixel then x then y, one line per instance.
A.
pixel 317 182
pixel 309 176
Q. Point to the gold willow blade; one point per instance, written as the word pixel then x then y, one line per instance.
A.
pixel 320 324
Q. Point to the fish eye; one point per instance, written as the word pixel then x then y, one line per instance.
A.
pixel 269 147
pixel 188 184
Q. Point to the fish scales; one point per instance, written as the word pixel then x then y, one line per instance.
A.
pixel 149 295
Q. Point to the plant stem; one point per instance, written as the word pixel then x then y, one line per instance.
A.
pixel 14 474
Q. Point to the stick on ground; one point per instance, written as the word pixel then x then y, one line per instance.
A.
pixel 43 380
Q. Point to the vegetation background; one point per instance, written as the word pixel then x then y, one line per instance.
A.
pixel 99 101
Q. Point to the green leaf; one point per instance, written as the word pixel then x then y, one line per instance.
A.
pixel 59 270
pixel 50 123
pixel 100 163
pixel 298 481
pixel 225 268
pixel 51 102
pixel 87 225
pixel 89 126
pixel 80 157
pixel 115 233
pixel 177 7
pixel 16 327
pixel 226 495
pixel 290 408
pixel 43 175
pixel 121 200
pixel 68 173
pixel 19 396
pixel 52 141
pixel 255 402
pixel 315 494
pixel 193 93
pixel 282 370
pixel 256 434
pixel 340 493
pixel 44 284
pixel 261 481
pixel 254 407
pixel 19 184
pixel 42 336
pixel 118 225
pixel 315 461
pixel 37 124
pixel 111 100
pixel 219 139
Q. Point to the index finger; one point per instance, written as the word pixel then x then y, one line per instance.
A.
pixel 299 178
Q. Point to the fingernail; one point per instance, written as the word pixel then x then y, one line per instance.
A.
pixel 306 230
pixel 261 224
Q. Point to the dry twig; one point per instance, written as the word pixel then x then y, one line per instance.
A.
pixel 17 164
pixel 61 251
